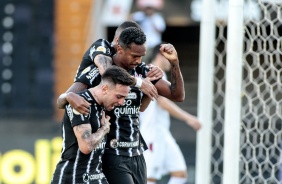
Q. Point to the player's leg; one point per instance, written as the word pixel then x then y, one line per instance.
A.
pixel 138 167
pixel 116 169
pixel 175 163
pixel 155 157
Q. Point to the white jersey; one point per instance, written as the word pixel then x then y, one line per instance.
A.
pixel 154 117
pixel 155 128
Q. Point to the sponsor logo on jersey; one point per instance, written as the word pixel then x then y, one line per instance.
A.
pixel 114 144
pixel 101 49
pixel 69 111
pixel 101 146
pixel 92 74
pixel 84 71
pixel 131 95
pixel 128 107
pixel 126 110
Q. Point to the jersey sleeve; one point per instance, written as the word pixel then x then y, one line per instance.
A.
pixel 143 69
pixel 75 117
pixel 90 76
pixel 100 46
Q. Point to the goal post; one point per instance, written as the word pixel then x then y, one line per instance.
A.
pixel 233 93
pixel 205 96
pixel 256 110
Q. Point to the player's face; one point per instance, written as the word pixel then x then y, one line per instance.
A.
pixel 115 96
pixel 131 57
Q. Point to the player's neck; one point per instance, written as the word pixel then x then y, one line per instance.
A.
pixel 95 93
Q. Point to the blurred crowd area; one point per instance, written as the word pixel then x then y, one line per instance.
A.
pixel 29 50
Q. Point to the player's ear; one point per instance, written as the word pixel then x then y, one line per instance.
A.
pixel 105 88
pixel 119 49
pixel 116 40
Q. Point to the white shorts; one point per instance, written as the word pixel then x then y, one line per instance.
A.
pixel 164 155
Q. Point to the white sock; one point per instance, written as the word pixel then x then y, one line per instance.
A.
pixel 177 180
pixel 151 182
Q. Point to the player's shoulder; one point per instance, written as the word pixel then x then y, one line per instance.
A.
pixel 86 94
pixel 143 68
pixel 101 42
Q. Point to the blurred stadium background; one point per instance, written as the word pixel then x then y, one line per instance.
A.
pixel 42 43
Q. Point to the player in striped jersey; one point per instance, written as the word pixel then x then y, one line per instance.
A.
pixel 84 135
pixel 123 159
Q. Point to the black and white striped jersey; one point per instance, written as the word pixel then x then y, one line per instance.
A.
pixel 74 166
pixel 124 137
pixel 100 46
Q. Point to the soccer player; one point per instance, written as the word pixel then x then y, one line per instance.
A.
pixel 84 135
pixel 100 55
pixel 155 128
pixel 123 161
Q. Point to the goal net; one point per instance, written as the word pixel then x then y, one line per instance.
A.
pixel 261 110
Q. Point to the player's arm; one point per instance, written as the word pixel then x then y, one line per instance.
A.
pixel 76 101
pixel 145 103
pixel 178 113
pixel 154 74
pixel 88 141
pixel 103 62
pixel 174 90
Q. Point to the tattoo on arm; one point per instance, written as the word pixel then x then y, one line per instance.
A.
pixel 174 78
pixel 86 134
pixel 105 62
pixel 91 139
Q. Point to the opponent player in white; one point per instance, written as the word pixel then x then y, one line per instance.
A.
pixel 164 155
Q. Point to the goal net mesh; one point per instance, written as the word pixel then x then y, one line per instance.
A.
pixel 261 111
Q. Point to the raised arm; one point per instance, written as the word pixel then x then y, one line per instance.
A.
pixel 88 141
pixel 178 113
pixel 174 90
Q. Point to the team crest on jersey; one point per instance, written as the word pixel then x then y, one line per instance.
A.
pixel 85 177
pixel 113 143
pixel 101 49
pixel 69 111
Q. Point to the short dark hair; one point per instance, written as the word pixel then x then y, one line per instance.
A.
pixel 118 75
pixel 127 24
pixel 131 35
pixel 124 25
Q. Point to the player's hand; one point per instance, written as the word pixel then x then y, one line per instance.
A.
pixel 169 52
pixel 149 89
pixel 194 122
pixel 105 122
pixel 78 103
pixel 155 72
